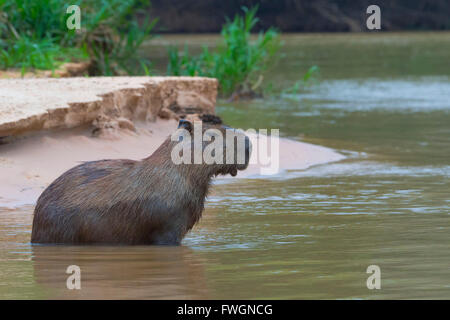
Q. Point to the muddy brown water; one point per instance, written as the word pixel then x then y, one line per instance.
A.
pixel 384 101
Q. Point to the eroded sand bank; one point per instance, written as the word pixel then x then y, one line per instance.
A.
pixel 36 104
pixel 28 164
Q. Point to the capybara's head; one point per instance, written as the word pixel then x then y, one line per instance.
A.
pixel 219 149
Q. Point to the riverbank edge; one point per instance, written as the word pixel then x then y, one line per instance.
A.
pixel 28 105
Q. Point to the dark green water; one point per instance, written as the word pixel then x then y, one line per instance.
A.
pixel 384 101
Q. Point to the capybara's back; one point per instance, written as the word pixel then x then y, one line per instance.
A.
pixel 152 201
pixel 108 201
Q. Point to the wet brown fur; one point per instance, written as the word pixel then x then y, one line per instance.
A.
pixel 152 201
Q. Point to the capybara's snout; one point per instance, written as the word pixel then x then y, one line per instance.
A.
pixel 243 150
pixel 248 152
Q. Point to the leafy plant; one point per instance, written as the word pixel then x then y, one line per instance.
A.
pixel 112 39
pixel 309 77
pixel 184 64
pixel 239 63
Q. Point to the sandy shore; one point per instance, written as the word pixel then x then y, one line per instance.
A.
pixel 29 165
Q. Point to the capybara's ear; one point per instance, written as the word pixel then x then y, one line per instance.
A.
pixel 185 124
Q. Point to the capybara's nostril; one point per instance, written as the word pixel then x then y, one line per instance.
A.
pixel 248 149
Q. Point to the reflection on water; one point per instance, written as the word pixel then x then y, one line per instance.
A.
pixel 107 272
pixel 313 233
pixel 121 272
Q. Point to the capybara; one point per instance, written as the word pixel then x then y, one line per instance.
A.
pixel 151 201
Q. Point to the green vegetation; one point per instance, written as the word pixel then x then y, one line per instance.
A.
pixel 112 36
pixel 34 35
pixel 309 77
pixel 238 63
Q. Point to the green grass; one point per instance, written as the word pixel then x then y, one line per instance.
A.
pixel 36 19
pixel 31 34
pixel 26 54
pixel 113 36
pixel 34 35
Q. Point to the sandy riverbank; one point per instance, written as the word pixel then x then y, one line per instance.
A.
pixel 28 105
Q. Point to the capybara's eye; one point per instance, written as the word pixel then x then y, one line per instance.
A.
pixel 185 124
